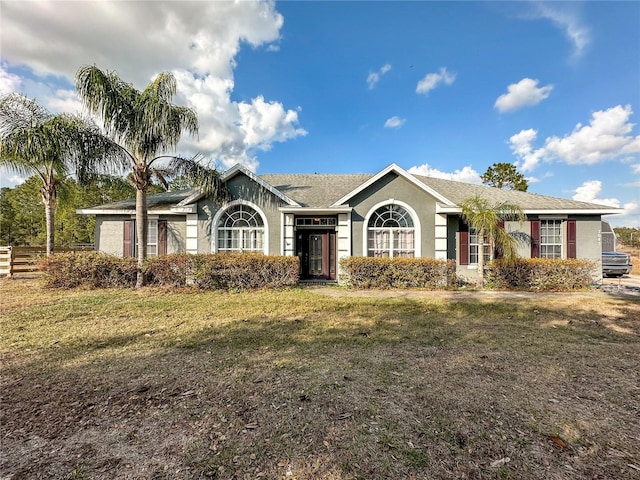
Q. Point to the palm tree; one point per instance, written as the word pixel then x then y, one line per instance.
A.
pixel 147 126
pixel 33 141
pixel 485 218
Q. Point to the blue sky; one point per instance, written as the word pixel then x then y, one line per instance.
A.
pixel 440 88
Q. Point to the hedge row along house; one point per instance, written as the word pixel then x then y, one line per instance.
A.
pixel 322 218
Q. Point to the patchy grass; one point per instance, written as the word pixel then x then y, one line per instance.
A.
pixel 317 384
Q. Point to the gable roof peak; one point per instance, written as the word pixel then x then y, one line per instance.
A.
pixel 232 172
pixel 393 167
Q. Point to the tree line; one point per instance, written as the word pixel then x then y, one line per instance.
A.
pixel 22 212
pixel 140 131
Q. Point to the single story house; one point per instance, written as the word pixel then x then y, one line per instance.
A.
pixel 322 218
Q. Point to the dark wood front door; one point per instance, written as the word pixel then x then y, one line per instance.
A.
pixel 317 254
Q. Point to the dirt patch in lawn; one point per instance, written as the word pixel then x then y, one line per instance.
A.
pixel 317 384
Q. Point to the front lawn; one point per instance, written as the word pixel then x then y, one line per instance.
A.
pixel 298 384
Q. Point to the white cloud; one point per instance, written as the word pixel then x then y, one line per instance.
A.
pixel 636 168
pixel 9 82
pixel 374 77
pixel 605 138
pixel 64 101
pixel 522 146
pixel 466 174
pixel 197 41
pixel 525 93
pixel 433 80
pixel 394 122
pixel 590 190
pixel 564 16
pixel 9 178
pixel 630 217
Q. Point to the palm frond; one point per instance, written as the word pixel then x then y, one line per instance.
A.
pixel 146 122
pixel 200 176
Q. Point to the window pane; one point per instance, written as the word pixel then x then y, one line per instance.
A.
pixel 551 238
pixel 241 228
pixel 391 232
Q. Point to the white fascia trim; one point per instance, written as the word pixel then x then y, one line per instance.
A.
pixel 447 209
pixel 233 171
pixel 315 211
pixel 193 208
pixel 401 172
pixel 591 211
pixel 93 211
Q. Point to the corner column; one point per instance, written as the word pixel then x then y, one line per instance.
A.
pixel 440 237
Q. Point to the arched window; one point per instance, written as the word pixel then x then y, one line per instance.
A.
pixel 391 232
pixel 240 229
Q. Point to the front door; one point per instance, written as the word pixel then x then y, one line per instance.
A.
pixel 316 250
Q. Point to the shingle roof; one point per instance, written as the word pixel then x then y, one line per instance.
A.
pixel 157 201
pixel 315 190
pixel 323 190
pixel 458 192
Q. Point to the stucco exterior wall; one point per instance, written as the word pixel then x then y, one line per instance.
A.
pixel 109 233
pixel 394 187
pixel 243 188
pixel 176 234
pixel 589 241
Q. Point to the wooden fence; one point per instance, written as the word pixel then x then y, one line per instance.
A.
pixel 16 260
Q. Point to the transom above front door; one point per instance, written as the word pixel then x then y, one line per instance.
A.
pixel 317 252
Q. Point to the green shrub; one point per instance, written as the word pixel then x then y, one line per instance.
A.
pixel 169 270
pixel 216 271
pixel 541 274
pixel 87 269
pixel 384 272
pixel 244 271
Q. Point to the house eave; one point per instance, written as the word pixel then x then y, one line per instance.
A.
pixel 100 211
pixel 444 209
pixel 574 211
pixel 315 211
pixel 182 209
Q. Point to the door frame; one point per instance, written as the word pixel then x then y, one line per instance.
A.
pixel 329 248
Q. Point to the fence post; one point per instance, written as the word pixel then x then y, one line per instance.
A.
pixel 10 262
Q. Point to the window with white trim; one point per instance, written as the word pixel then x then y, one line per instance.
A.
pixel 551 239
pixel 240 229
pixel 391 232
pixel 152 238
pixel 474 247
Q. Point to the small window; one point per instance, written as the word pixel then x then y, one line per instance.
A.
pixel 241 229
pixel 130 248
pixel 551 239
pixel 152 238
pixel 474 247
pixel 391 233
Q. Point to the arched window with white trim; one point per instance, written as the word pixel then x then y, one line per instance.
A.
pixel 240 228
pixel 391 232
